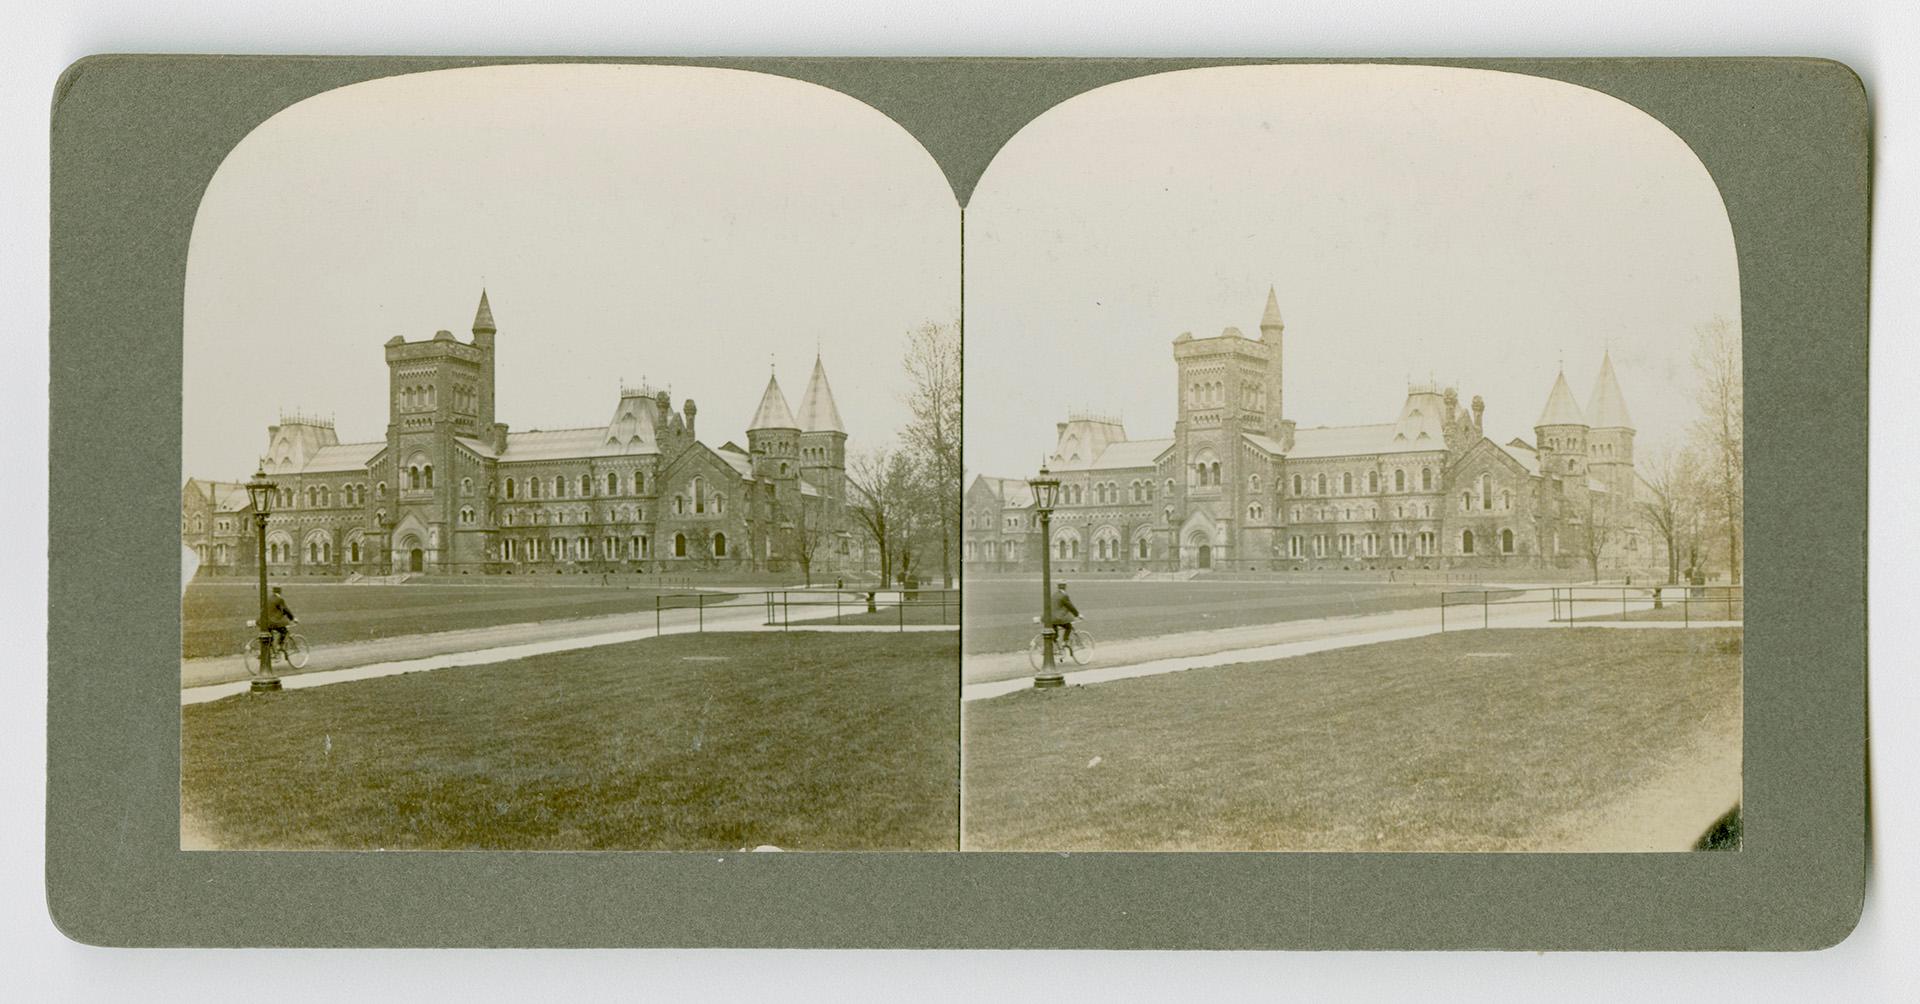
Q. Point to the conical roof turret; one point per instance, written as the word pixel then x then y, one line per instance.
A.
pixel 818 413
pixel 483 317
pixel 1271 318
pixel 773 412
pixel 1560 409
pixel 1607 407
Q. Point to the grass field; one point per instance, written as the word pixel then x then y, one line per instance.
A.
pixel 214 614
pixel 1000 612
pixel 806 741
pixel 1469 741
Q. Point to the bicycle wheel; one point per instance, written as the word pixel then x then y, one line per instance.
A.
pixel 251 653
pixel 296 650
pixel 1080 647
pixel 1036 651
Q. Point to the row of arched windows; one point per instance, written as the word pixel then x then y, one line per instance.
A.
pixel 1346 483
pixel 561 486
pixel 1505 539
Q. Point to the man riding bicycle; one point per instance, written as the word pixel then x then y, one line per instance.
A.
pixel 279 617
pixel 1061 613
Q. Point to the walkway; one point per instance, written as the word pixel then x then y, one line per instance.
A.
pixel 540 640
pixel 988 676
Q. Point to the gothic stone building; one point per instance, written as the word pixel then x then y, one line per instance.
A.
pixel 451 489
pixel 1239 487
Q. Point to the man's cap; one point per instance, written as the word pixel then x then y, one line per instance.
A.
pixel 1063 585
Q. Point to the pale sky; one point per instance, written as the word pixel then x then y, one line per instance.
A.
pixel 1470 226
pixel 680 224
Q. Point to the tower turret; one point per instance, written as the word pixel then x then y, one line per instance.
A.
pixel 1560 435
pixel 483 332
pixel 823 437
pixel 1610 444
pixel 773 437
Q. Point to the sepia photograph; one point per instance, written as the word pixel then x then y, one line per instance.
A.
pixel 1353 463
pixel 572 462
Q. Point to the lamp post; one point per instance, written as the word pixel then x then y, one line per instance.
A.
pixel 260 494
pixel 1046 491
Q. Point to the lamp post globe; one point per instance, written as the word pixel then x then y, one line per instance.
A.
pixel 260 497
pixel 1046 492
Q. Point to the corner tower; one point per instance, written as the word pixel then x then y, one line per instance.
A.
pixel 1610 447
pixel 823 437
pixel 773 437
pixel 1561 433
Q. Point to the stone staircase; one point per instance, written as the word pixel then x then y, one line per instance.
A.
pixel 357 579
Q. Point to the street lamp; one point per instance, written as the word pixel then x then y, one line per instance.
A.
pixel 1046 491
pixel 260 494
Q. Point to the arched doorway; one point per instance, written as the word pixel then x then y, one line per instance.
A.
pixel 416 560
pixel 1204 558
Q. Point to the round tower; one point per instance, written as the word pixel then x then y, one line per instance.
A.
pixel 1561 433
pixel 1610 445
pixel 773 437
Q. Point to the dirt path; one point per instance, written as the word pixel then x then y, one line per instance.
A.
pixel 228 668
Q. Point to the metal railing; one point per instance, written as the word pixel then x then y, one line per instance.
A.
pixel 797 608
pixel 1570 605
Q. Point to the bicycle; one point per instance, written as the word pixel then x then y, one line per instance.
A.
pixel 1077 647
pixel 292 648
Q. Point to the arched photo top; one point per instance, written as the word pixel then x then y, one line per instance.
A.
pixel 682 227
pixel 1413 224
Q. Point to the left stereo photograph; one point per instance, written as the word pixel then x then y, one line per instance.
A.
pixel 571 461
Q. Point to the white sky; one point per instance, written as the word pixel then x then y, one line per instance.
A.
pixel 1468 225
pixel 682 224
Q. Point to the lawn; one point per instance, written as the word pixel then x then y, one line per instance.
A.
pixel 854 612
pixel 806 741
pixel 1714 607
pixel 1000 612
pixel 214 614
pixel 1466 741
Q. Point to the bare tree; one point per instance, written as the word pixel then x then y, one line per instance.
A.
pixel 1600 531
pixel 1672 506
pixel 875 501
pixel 933 436
pixel 806 533
pixel 1719 431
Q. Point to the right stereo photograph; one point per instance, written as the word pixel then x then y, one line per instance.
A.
pixel 1353 463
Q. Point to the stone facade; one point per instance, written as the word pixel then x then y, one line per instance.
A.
pixel 451 490
pixel 1239 487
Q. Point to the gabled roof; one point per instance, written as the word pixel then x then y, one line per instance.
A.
pixel 551 444
pixel 740 462
pixel 1519 450
pixel 817 410
pixel 1013 493
pixel 1357 441
pixel 1607 407
pixel 1560 409
pixel 341 457
pixel 1129 453
pixel 773 412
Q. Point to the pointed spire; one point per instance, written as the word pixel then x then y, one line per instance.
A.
pixel 818 413
pixel 1271 319
pixel 773 412
pixel 483 318
pixel 1607 408
pixel 1560 409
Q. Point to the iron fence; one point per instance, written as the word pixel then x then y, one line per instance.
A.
pixel 1570 605
pixel 798 608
